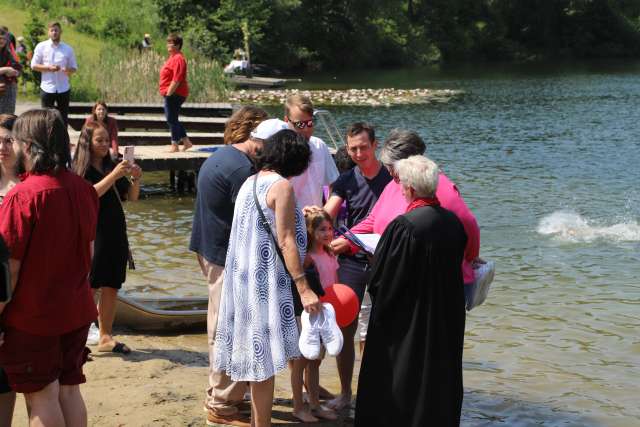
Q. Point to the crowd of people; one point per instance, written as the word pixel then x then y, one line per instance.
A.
pixel 263 233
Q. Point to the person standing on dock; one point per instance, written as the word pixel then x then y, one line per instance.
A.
pixel 322 171
pixel 175 89
pixel 57 62
pixel 219 181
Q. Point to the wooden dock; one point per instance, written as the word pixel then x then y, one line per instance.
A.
pixel 158 158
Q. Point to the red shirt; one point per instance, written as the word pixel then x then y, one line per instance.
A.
pixel 174 70
pixel 112 128
pixel 48 222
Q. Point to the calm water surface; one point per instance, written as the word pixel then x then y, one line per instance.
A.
pixel 547 157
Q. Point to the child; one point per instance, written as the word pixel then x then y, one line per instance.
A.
pixel 319 236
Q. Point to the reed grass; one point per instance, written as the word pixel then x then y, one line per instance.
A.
pixel 124 75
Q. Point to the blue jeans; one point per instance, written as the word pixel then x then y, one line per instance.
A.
pixel 172 105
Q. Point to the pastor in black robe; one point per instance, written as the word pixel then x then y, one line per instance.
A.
pixel 411 373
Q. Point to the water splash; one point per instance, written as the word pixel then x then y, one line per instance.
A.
pixel 571 227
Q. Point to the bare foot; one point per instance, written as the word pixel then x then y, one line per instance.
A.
pixel 324 413
pixel 186 144
pixel 340 402
pixel 174 148
pixel 305 416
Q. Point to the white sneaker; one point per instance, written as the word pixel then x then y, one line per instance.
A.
pixel 309 342
pixel 329 331
pixel 484 276
pixel 94 335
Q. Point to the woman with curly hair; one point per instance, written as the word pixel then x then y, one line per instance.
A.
pixel 10 69
pixel 257 334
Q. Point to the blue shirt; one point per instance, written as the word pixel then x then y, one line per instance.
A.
pixel 219 181
pixel 359 193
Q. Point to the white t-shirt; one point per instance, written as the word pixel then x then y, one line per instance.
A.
pixel 46 53
pixel 322 171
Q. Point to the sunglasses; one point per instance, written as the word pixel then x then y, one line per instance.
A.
pixel 303 124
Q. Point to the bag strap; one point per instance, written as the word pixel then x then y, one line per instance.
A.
pixel 266 226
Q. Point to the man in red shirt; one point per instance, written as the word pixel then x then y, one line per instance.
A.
pixel 174 89
pixel 48 222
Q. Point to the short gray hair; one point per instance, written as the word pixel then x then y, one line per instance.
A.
pixel 401 144
pixel 419 173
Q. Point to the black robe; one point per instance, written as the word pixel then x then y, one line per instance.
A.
pixel 411 373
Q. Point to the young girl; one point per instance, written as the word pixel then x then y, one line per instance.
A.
pixel 319 236
pixel 111 247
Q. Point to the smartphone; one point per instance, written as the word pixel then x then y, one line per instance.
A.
pixel 5 277
pixel 128 153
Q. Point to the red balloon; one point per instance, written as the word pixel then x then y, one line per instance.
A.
pixel 344 301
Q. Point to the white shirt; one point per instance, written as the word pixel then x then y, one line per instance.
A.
pixel 322 171
pixel 46 53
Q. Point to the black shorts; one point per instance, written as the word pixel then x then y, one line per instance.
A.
pixel 355 273
pixel 4 382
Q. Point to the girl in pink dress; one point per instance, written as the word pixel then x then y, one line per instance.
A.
pixel 320 255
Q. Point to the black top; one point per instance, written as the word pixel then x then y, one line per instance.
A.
pixel 219 181
pixel 359 192
pixel 411 372
pixel 111 247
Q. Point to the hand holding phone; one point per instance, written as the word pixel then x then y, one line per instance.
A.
pixel 128 154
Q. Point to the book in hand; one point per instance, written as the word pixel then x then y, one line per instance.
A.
pixel 366 242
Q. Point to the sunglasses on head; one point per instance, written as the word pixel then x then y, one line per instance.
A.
pixel 303 124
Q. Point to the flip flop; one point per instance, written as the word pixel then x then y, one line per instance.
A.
pixel 120 348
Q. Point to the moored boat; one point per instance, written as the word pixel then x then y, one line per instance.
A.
pixel 162 314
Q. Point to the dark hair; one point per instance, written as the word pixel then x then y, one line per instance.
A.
pixel 93 110
pixel 175 40
pixel 344 162
pixel 239 127
pixel 82 155
pixel 313 218
pixel 46 137
pixel 359 127
pixel 7 121
pixel 286 153
pixel 401 144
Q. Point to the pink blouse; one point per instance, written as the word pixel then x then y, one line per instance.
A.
pixel 392 203
pixel 327 266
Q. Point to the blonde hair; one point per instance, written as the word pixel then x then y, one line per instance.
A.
pixel 303 102
pixel 242 122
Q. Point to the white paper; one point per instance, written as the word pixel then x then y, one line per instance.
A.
pixel 370 241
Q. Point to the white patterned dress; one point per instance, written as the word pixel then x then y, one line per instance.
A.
pixel 257 332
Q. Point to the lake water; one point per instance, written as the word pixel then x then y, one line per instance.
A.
pixel 547 158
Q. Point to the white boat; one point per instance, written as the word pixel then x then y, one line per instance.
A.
pixel 162 314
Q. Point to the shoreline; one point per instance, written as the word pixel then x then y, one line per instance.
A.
pixel 162 383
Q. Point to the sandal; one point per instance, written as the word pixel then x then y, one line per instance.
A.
pixel 120 347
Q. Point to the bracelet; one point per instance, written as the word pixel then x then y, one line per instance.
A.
pixel 295 279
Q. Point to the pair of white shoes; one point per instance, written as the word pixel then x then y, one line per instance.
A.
pixel 317 329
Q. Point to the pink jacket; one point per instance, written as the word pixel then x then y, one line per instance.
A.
pixel 392 203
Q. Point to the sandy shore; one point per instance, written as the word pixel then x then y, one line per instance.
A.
pixel 162 382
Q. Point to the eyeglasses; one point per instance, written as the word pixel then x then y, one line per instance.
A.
pixel 6 140
pixel 303 124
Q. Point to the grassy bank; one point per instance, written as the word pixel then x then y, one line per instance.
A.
pixel 116 73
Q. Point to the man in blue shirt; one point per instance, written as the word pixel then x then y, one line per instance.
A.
pixel 219 181
pixel 359 188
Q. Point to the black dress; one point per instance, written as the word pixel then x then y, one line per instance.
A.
pixel 411 373
pixel 111 247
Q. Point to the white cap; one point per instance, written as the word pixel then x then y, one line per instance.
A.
pixel 268 128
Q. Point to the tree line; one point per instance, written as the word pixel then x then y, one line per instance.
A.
pixel 335 34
